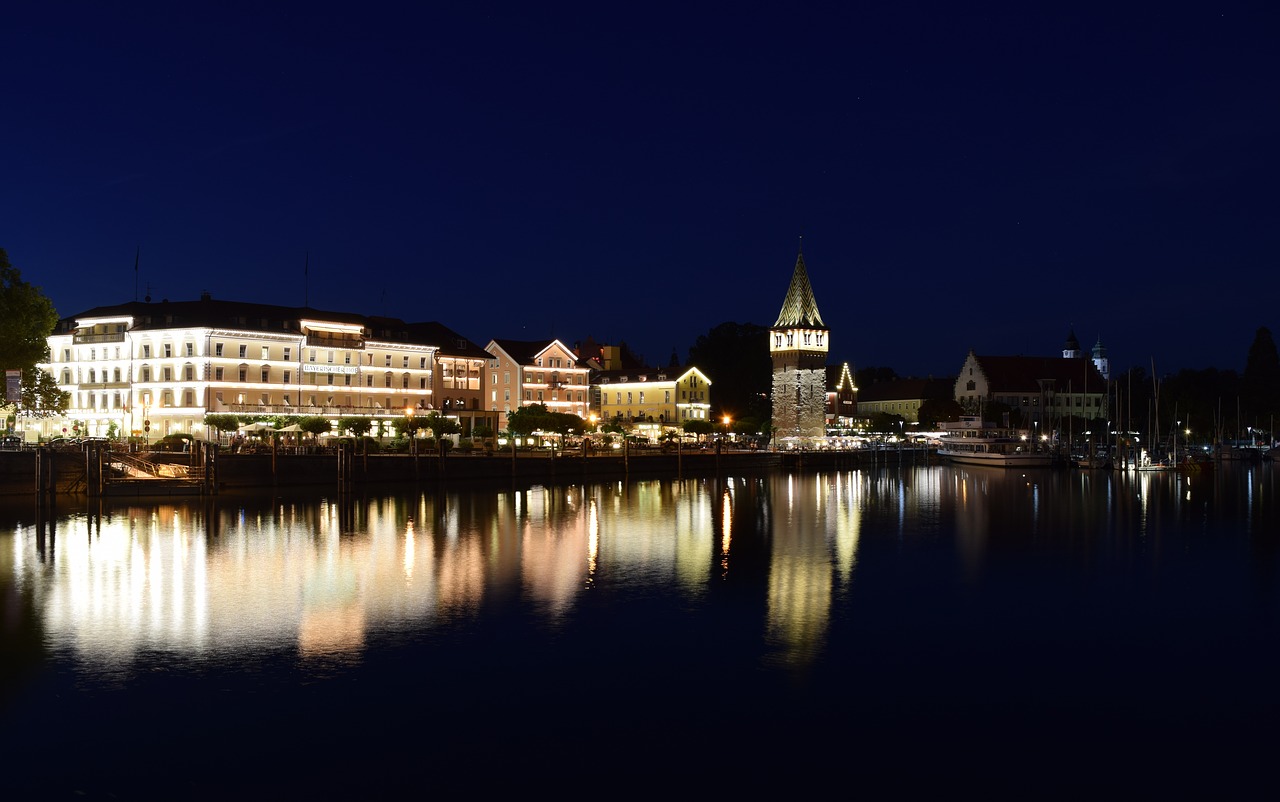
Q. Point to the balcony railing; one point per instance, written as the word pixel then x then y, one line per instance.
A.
pixel 116 337
pixel 327 411
pixel 323 341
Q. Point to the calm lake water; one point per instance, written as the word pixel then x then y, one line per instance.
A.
pixel 897 633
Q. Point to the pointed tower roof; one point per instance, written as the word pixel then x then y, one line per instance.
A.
pixel 1072 344
pixel 799 308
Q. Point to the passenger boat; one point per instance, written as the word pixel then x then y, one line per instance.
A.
pixel 972 441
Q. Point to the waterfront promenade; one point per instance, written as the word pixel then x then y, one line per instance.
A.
pixel 44 472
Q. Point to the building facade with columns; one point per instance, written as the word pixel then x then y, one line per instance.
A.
pixel 154 369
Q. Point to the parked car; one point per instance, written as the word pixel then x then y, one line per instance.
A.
pixel 10 442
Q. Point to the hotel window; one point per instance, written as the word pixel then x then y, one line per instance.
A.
pixel 422 383
pixel 330 379
pixel 286 354
pixel 506 377
pixel 266 352
pixel 422 363
pixel 168 349
pixel 406 362
pixel 404 382
pixel 311 355
pixel 528 395
pixel 266 375
pixel 244 374
pixel 168 374
pixel 146 351
pixel 328 357
pixel 369 381
pixel 642 397
pixel 287 374
pixel 91 376
pixel 116 375
pixel 217 349
pixel 386 380
pixel 506 395
pixel 217 374
pixel 346 358
pixel 189 399
pixel 388 361
pixel 166 398
pixel 667 397
pixel 244 351
pixel 146 374
pixel 188 373
pixel 191 349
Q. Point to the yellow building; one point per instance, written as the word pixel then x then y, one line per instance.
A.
pixel 651 400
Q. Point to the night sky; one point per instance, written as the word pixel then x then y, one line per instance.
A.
pixel 986 176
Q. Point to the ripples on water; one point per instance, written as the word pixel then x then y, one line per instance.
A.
pixel 892 629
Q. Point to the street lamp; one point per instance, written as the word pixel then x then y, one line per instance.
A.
pixel 408 427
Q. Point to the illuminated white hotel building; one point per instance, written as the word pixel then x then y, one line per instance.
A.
pixel 171 363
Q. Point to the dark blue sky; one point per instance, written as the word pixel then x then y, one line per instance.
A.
pixel 985 179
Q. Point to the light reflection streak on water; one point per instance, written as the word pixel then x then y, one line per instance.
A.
pixel 323 577
pixel 726 530
pixel 593 539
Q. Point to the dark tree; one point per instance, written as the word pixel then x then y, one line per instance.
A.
pixel 934 410
pixel 1260 384
pixel 735 357
pixel 27 318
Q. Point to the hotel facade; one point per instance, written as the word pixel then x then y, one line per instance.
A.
pixel 154 369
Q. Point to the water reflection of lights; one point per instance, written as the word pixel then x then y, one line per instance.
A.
pixel 323 576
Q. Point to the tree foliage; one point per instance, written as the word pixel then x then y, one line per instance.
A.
pixel 27 318
pixel 735 357
pixel 440 425
pixel 222 421
pixel 1260 384
pixel 314 425
pixel 537 418
pixel 358 426
pixel 39 395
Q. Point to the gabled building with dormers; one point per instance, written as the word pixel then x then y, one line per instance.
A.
pixel 159 368
pixel 522 372
pixel 842 397
pixel 653 400
pixel 798 346
pixel 1044 390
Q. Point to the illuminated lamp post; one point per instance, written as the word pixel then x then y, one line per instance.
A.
pixel 408 427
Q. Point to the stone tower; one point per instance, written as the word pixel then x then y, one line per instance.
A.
pixel 798 346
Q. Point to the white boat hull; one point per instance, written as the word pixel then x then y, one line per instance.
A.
pixel 999 460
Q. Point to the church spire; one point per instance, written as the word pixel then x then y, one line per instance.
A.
pixel 799 307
